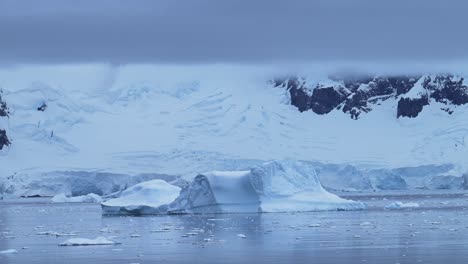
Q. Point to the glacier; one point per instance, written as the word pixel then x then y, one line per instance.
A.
pixel 49 183
pixel 182 120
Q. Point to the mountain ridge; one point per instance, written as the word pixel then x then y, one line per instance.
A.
pixel 359 95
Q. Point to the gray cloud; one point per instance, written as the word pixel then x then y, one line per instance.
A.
pixel 231 31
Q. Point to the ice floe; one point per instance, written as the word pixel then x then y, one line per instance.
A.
pixel 400 205
pixel 88 198
pixel 9 251
pixel 88 242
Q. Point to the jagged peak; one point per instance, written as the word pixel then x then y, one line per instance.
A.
pixel 358 94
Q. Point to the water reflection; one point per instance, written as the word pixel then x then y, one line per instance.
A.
pixel 373 236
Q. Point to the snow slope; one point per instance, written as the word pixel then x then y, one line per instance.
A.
pixel 183 120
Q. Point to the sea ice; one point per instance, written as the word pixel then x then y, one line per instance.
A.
pixel 88 198
pixel 399 205
pixel 9 251
pixel 88 242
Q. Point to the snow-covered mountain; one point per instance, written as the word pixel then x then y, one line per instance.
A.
pixel 187 120
pixel 356 95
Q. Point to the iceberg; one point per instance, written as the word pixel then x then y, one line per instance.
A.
pixel 276 186
pixel 88 242
pixel 89 198
pixel 399 205
pixel 217 192
pixel 149 197
pixel 9 251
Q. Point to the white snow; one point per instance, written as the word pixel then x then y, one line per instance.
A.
pixel 88 198
pixel 88 242
pixel 182 120
pixel 400 205
pixel 276 186
pixel 417 91
pixel 9 251
pixel 144 198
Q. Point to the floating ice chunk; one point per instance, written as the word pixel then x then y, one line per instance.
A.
pixel 399 205
pixel 53 233
pixel 217 192
pixel 88 198
pixel 148 197
pixel 277 186
pixel 9 251
pixel 88 242
pixel 241 236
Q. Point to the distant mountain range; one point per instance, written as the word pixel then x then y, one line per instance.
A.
pixel 357 95
pixel 183 121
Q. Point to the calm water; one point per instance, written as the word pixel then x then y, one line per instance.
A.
pixel 437 232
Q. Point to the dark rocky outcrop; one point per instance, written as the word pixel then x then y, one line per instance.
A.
pixel 355 95
pixel 377 90
pixel 322 100
pixel 3 106
pixel 411 107
pixel 4 141
pixel 43 107
pixel 403 84
pixel 447 89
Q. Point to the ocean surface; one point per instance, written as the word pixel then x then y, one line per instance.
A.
pixel 434 232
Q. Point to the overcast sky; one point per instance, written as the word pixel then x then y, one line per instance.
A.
pixel 232 31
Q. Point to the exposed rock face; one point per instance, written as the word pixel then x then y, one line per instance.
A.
pixel 411 107
pixel 321 99
pixel 359 95
pixel 447 89
pixel 43 107
pixel 324 100
pixel 3 106
pixel 4 141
